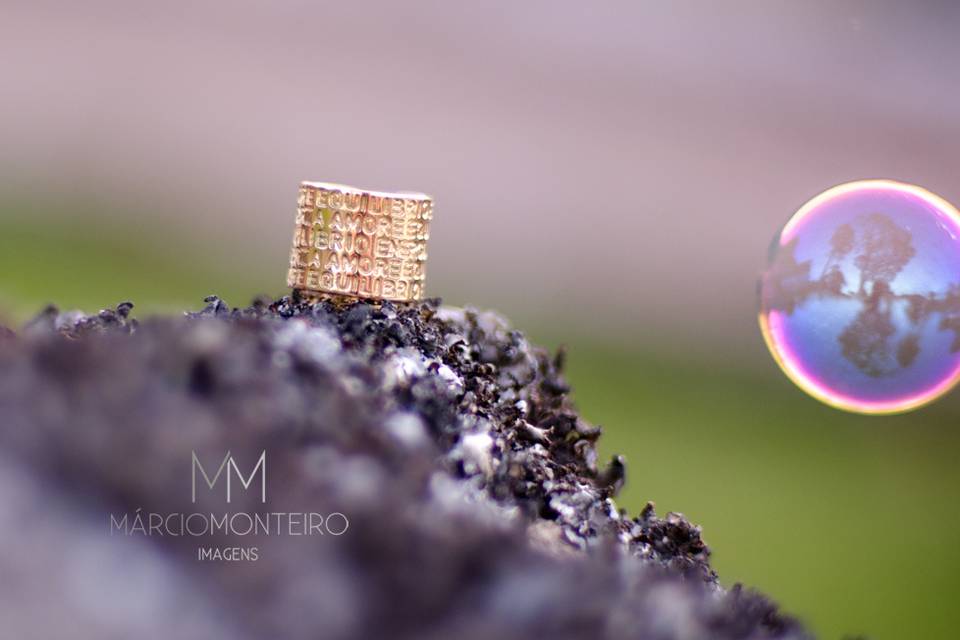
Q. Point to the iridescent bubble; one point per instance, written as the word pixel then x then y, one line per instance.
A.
pixel 860 301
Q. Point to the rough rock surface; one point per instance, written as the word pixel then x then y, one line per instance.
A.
pixel 475 504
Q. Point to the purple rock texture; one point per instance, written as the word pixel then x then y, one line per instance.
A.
pixel 476 504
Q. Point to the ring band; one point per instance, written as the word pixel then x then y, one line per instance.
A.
pixel 366 244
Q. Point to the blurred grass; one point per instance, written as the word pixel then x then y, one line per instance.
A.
pixel 849 522
pixel 91 258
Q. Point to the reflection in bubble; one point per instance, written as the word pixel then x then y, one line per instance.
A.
pixel 860 301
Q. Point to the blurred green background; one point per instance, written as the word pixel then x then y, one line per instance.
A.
pixel 849 522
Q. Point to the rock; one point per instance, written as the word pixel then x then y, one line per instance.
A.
pixel 446 441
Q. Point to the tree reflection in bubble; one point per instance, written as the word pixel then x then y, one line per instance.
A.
pixel 860 302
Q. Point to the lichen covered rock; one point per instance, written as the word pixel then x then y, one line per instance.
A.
pixel 475 502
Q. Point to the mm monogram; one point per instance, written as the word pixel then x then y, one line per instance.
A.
pixel 230 465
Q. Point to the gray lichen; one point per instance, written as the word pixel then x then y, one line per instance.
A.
pixel 476 505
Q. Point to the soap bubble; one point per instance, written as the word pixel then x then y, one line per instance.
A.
pixel 860 301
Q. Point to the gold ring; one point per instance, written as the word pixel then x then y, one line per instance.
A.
pixel 366 244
